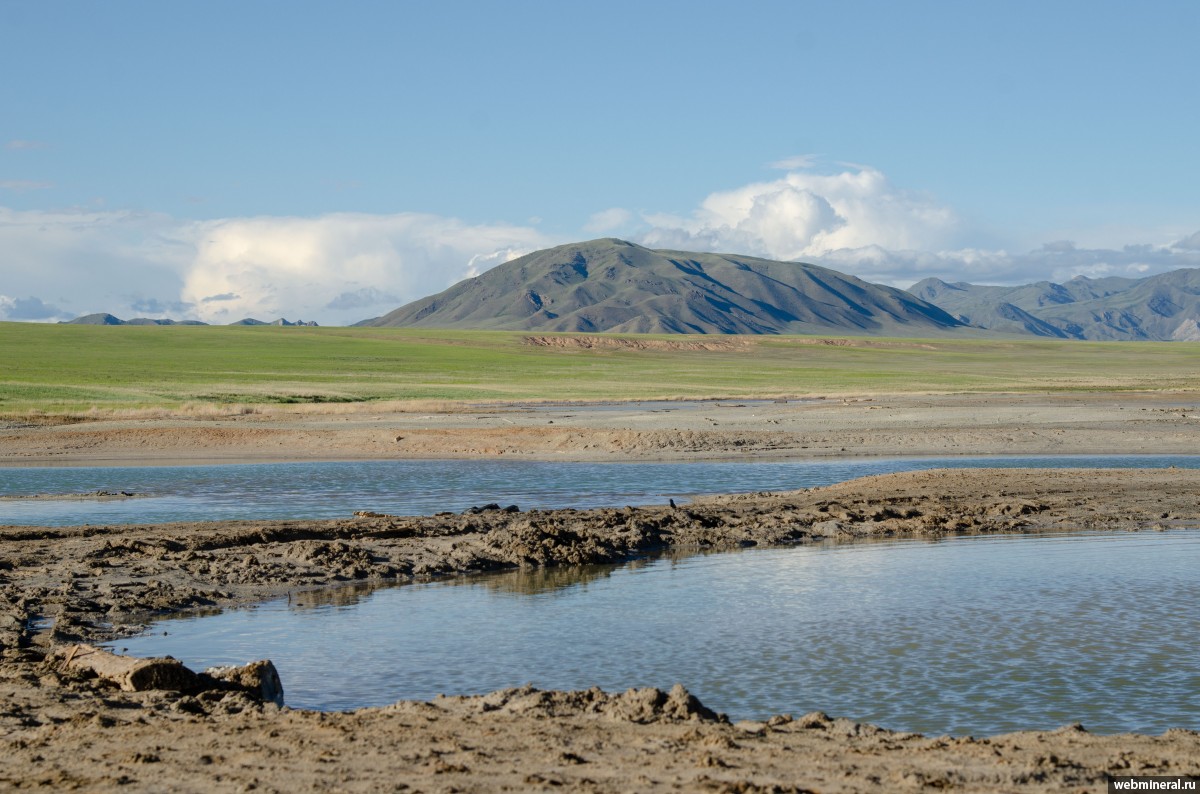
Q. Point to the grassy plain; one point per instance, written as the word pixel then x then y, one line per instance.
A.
pixel 63 369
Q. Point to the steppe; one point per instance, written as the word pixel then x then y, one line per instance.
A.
pixel 64 729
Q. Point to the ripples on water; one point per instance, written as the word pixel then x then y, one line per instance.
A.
pixel 329 490
pixel 973 635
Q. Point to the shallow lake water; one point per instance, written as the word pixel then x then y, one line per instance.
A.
pixel 970 635
pixel 416 487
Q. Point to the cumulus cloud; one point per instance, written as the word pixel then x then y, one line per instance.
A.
pixel 340 268
pixel 223 270
pixel 856 221
pixel 299 266
pixel 806 214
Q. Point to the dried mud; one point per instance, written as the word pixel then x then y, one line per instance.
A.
pixel 60 729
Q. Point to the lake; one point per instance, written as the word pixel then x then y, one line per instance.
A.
pixel 966 635
pixel 971 635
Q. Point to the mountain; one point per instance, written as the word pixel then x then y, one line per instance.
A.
pixel 108 319
pixel 1165 307
pixel 280 321
pixel 618 287
pixel 95 319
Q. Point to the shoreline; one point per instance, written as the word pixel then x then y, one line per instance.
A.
pixel 747 459
pixel 870 425
pixel 83 577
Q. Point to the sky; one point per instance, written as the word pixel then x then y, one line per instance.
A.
pixel 326 161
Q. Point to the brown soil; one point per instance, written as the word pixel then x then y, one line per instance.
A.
pixel 1134 423
pixel 61 729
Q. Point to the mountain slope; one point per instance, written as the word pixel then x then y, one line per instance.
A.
pixel 108 319
pixel 618 287
pixel 1164 307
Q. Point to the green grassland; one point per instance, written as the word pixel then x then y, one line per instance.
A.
pixel 77 368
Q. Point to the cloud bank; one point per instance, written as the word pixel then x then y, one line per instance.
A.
pixel 856 221
pixel 346 266
pixel 343 267
pixel 806 214
pixel 337 268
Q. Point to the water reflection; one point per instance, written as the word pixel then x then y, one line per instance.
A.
pixel 341 596
pixel 973 635
pixel 520 582
pixel 545 581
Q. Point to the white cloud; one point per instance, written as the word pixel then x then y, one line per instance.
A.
pixel 806 214
pixel 297 267
pixel 856 221
pixel 797 162
pixel 481 263
pixel 1049 263
pixel 86 261
pixel 608 220
pixel 340 268
pixel 221 271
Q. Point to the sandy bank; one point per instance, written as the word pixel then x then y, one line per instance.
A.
pixel 1092 423
pixel 66 731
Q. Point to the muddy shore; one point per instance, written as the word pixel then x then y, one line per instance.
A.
pixel 63 729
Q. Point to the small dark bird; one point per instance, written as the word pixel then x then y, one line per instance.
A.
pixel 672 501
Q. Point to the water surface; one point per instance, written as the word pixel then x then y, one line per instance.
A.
pixel 972 635
pixel 421 487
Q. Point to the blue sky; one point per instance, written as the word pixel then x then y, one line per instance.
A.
pixel 333 160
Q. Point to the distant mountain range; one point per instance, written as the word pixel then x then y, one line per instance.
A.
pixel 1164 307
pixel 108 319
pixel 618 287
pixel 615 286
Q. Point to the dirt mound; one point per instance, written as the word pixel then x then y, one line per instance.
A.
pixel 644 706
